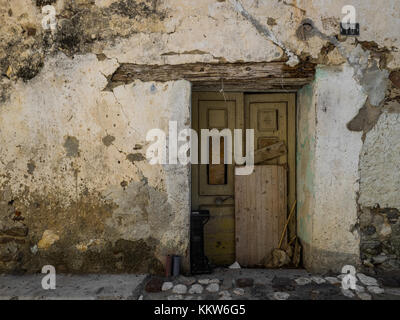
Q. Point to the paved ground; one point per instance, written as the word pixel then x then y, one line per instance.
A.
pixel 72 287
pixel 223 284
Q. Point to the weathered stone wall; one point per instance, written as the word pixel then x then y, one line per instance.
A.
pixel 75 188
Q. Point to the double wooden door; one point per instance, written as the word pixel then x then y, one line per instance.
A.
pixel 213 185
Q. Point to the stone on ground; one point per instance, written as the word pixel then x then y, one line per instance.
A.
pixel 347 293
pixel 204 281
pixel 167 286
pixel 224 293
pixel 235 265
pixel 214 281
pixel 364 296
pixel 281 295
pixel 179 289
pixel 333 280
pixel 238 291
pixel 318 280
pixel 175 297
pixel 366 280
pixel 393 291
pixel 213 287
pixel 359 288
pixel 375 289
pixel 196 289
pixel 302 281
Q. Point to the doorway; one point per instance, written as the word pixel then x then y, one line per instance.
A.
pixel 272 116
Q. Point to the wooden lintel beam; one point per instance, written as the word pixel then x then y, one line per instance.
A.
pixel 264 74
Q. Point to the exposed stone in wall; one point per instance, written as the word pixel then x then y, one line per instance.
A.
pixel 379 190
pixel 380 239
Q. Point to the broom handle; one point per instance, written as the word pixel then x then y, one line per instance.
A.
pixel 287 222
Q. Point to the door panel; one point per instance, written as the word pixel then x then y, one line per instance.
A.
pixel 260 213
pixel 216 115
pixel 269 121
pixel 220 234
pixel 272 116
pixel 213 184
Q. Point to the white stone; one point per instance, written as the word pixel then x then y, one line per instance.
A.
pixel 332 280
pixel 303 281
pixel 175 297
pixel 167 286
pixel 364 296
pixel 189 298
pixel 224 293
pixel 281 295
pixel 203 281
pixel 239 291
pixel 341 276
pixel 225 298
pixel 179 289
pixel 141 297
pixel 235 265
pixel 318 280
pixel 366 280
pixel 196 289
pixel 359 288
pixel 347 293
pixel 375 290
pixel 213 287
pixel 379 259
pixel 214 281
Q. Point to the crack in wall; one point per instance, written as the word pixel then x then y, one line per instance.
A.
pixel 263 30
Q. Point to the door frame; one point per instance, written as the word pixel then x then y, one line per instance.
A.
pixel 290 98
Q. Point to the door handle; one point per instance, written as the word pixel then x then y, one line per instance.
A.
pixel 219 200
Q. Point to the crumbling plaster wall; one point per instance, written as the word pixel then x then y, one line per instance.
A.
pixel 87 200
pixel 328 169
pixel 77 190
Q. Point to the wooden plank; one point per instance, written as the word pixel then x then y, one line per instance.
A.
pixel 209 75
pixel 260 213
pixel 271 152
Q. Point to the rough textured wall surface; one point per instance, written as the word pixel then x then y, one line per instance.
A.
pixel 328 169
pixel 380 194
pixel 77 191
pixel 305 163
pixel 58 177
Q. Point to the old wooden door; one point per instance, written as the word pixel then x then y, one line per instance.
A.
pixel 272 116
pixel 213 185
